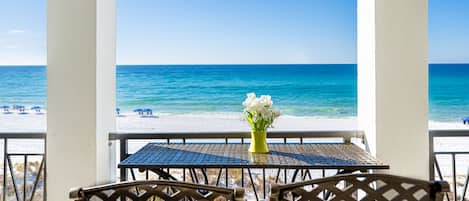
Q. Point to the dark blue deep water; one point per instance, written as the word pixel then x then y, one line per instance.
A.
pixel 322 90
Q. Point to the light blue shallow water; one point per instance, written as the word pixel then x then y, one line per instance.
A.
pixel 299 90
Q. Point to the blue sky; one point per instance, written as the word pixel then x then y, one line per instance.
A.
pixel 231 31
pixel 448 31
pixel 22 32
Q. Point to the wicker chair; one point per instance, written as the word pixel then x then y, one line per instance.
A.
pixel 156 190
pixel 368 187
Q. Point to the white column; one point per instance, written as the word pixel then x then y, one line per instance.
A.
pixel 80 93
pixel 393 82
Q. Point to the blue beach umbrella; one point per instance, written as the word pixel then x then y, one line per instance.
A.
pixel 5 108
pixel 19 107
pixel 148 111
pixel 465 120
pixel 36 108
pixel 139 111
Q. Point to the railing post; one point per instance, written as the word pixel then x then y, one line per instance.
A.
pixel 123 155
pixel 432 156
pixel 347 139
pixel 5 148
pixel 455 184
pixel 112 160
pixel 44 159
pixel 25 175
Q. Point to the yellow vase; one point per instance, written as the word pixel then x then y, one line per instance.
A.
pixel 259 142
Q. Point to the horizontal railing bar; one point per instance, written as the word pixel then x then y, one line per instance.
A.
pixel 207 135
pixel 23 135
pixel 26 154
pixel 449 133
pixel 195 135
pixel 451 152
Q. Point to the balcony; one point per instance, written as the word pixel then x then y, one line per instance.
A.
pixel 447 163
pixel 392 47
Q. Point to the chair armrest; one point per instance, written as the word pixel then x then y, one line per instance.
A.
pixel 75 194
pixel 239 194
pixel 274 193
pixel 441 186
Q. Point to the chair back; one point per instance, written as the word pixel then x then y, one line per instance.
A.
pixel 367 187
pixel 160 190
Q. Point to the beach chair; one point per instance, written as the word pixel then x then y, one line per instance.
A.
pixel 6 109
pixel 465 120
pixel 351 187
pixel 156 190
pixel 148 111
pixel 21 109
pixel 37 109
pixel 139 111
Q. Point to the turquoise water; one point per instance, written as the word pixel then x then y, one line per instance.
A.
pixel 322 90
pixel 449 92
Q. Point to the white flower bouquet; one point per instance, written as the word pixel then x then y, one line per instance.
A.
pixel 261 115
pixel 259 111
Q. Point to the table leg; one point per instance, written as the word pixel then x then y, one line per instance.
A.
pixel 242 177
pixel 226 177
pixel 218 177
pixel 285 175
pixel 307 173
pixel 294 175
pixel 278 175
pixel 252 183
pixel 263 182
pixel 193 172
pixel 133 174
pixel 204 173
pixel 192 176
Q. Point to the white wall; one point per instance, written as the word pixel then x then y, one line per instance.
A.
pixel 80 94
pixel 393 82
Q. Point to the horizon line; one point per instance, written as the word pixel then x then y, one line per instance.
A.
pixel 42 65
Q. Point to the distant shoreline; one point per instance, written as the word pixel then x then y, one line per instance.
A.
pixel 208 123
pixel 241 64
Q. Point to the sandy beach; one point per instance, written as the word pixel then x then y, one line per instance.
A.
pixel 201 122
pixel 182 123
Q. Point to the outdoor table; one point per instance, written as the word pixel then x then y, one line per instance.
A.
pixel 346 157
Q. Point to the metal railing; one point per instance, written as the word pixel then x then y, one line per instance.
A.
pixel 14 173
pixel 436 161
pixel 23 171
pixel 257 184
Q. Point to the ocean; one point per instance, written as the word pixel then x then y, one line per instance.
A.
pixel 318 90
